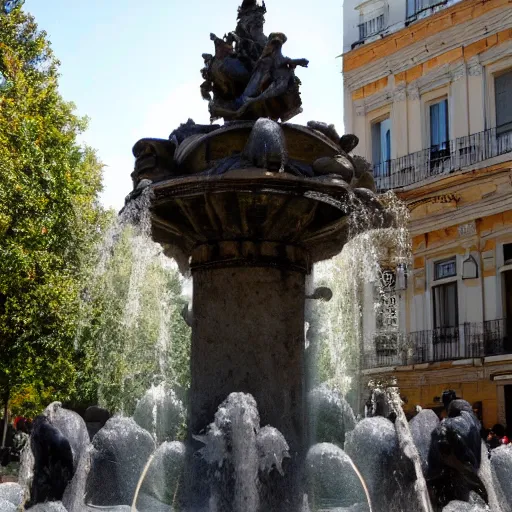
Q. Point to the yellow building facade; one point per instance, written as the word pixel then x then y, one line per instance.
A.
pixel 428 91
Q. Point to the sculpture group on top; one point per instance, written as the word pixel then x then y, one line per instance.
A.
pixel 248 76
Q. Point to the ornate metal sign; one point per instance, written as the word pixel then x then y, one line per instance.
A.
pixel 387 314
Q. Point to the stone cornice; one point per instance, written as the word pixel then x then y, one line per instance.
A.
pixel 495 53
pixel 437 78
pixel 498 203
pixel 378 100
pixel 420 52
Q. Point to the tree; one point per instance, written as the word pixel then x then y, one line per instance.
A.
pixel 49 218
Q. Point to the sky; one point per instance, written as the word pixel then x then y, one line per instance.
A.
pixel 133 67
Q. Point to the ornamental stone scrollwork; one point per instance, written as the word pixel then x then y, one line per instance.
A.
pixel 467 229
pixel 443 199
pixel 474 68
pixel 413 93
pixel 458 71
pixel 387 310
pixel 360 110
pixel 399 94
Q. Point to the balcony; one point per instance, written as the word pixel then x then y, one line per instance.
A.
pixel 467 341
pixel 452 156
pixel 371 27
pixel 420 8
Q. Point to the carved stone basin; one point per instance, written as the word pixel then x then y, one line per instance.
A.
pixel 254 216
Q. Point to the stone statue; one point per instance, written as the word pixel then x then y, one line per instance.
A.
pixel 248 77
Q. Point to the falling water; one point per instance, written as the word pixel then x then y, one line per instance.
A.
pixel 131 325
pixel 409 450
pixel 237 451
pixel 356 270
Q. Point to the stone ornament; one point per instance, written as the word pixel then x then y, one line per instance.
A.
pixel 413 93
pixel 458 71
pixel 399 94
pixel 248 76
pixel 474 68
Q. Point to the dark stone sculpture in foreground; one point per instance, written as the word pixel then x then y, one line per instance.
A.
pixel 53 462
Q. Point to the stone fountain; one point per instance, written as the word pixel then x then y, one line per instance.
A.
pixel 248 207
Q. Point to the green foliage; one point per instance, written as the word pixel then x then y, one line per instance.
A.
pixel 49 218
pixel 132 333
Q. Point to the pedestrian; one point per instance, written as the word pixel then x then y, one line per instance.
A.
pixel 497 436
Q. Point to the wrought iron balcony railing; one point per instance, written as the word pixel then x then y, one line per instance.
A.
pixel 371 27
pixel 417 7
pixel 469 340
pixel 440 160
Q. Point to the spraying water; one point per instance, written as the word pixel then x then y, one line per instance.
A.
pixel 359 291
pixel 132 330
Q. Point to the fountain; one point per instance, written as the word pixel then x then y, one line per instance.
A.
pixel 247 208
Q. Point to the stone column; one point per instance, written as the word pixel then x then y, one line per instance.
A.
pixel 248 336
pixel 414 120
pixel 399 143
pixel 361 130
pixel 476 97
pixel 459 102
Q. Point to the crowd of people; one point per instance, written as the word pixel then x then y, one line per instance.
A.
pixel 497 436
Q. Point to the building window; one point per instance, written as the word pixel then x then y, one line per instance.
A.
pixel 507 253
pixel 416 7
pixel 446 312
pixel 371 27
pixel 439 132
pixel 503 98
pixel 445 268
pixel 381 147
pixel 439 124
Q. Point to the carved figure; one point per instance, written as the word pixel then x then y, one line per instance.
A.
pixel 273 74
pixel 455 455
pixel 248 77
pixel 327 129
pixel 154 159
pixel 53 462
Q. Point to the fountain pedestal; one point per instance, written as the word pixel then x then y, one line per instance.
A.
pixel 248 336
